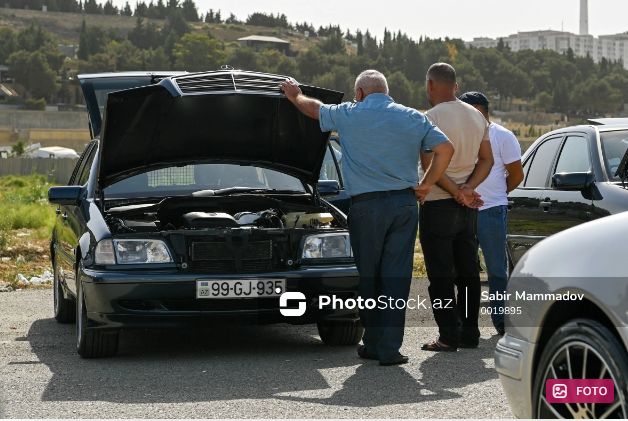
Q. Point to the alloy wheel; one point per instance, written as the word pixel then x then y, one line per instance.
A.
pixel 578 360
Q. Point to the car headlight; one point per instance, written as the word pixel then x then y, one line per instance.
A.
pixel 327 246
pixel 126 252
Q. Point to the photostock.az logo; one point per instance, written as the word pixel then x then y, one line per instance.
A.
pixel 292 312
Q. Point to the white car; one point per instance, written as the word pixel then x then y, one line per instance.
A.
pixel 567 318
pixel 54 152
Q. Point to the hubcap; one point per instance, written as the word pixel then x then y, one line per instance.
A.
pixel 578 360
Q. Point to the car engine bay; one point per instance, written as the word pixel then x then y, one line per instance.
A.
pixel 231 234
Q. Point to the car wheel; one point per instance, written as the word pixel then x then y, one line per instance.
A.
pixel 582 349
pixel 340 333
pixel 64 309
pixel 92 343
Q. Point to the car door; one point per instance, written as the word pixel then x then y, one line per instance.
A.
pixel 332 170
pixel 68 224
pixel 524 202
pixel 566 209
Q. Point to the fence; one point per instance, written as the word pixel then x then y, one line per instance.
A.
pixel 58 170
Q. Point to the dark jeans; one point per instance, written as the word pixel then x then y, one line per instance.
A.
pixel 492 224
pixel 383 232
pixel 447 232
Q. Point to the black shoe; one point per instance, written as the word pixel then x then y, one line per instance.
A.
pixel 365 355
pixel 463 344
pixel 501 330
pixel 399 359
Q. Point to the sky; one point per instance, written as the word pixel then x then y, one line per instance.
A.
pixel 464 19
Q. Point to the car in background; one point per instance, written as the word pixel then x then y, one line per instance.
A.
pixel 582 335
pixel 53 152
pixel 570 177
pixel 198 203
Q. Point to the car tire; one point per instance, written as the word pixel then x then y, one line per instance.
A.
pixel 580 342
pixel 64 309
pixel 92 343
pixel 340 333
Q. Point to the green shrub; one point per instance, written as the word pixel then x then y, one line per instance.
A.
pixel 34 104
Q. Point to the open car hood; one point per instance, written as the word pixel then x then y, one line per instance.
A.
pixel 227 116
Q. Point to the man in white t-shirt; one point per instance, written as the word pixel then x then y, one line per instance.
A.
pixel 504 177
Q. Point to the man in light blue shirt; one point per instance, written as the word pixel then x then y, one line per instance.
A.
pixel 381 143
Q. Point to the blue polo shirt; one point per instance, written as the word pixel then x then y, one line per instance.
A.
pixel 381 142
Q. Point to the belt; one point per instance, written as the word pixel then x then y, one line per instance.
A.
pixel 379 194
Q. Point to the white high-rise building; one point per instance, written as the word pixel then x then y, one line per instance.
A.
pixel 584 17
pixel 611 47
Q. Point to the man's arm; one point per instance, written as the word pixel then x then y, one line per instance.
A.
pixel 308 106
pixel 482 166
pixel 515 175
pixel 439 161
pixel 465 196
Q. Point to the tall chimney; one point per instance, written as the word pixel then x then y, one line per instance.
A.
pixel 584 17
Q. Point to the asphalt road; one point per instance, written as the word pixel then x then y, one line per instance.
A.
pixel 244 372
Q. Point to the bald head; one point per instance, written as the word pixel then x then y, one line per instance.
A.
pixel 442 73
pixel 371 82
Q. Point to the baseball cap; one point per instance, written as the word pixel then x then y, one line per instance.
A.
pixel 474 98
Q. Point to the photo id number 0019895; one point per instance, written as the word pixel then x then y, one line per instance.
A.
pixel 240 288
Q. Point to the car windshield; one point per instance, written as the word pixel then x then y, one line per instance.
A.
pixel 181 181
pixel 614 146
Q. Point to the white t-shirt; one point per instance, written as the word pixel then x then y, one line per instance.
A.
pixel 506 150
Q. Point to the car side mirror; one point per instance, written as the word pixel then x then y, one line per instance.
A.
pixel 572 181
pixel 328 188
pixel 64 195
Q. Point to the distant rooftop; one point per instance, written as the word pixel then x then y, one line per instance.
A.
pixel 263 39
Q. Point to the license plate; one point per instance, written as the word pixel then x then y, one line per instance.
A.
pixel 240 288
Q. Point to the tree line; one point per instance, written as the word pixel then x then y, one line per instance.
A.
pixel 547 80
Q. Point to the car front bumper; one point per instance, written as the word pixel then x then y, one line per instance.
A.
pixel 167 299
pixel 514 363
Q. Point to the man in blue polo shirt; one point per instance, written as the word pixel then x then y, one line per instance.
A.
pixel 381 143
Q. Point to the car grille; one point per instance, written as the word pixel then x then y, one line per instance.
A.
pixel 219 257
pixel 229 81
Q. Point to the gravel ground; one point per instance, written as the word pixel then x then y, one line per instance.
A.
pixel 244 372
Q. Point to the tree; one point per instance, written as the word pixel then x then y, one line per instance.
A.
pixel 339 79
pixel 109 8
pixel 245 59
pixel 83 51
pixel 232 19
pixel 18 148
pixel 190 12
pixel 198 52
pixel 32 71
pixel 595 97
pixel 561 97
pixel 141 9
pixel 334 44
pixel 125 55
pixel 158 60
pixel 8 43
pixel 177 23
pixel 312 63
pixel 288 67
pixel 400 88
pixel 544 102
pixel 98 63
pixel 127 10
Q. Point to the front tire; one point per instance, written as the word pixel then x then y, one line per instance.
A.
pixel 340 333
pixel 64 309
pixel 582 349
pixel 92 343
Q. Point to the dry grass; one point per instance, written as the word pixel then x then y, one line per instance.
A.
pixel 28 255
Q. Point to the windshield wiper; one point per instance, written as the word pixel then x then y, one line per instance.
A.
pixel 235 190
